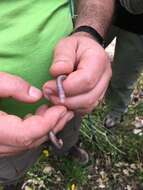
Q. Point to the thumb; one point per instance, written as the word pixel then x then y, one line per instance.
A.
pixel 17 88
pixel 64 57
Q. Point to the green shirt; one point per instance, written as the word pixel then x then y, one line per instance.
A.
pixel 29 30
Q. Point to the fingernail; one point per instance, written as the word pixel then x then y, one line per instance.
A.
pixel 47 93
pixel 35 92
pixel 63 113
pixel 70 116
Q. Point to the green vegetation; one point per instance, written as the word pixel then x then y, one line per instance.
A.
pixel 116 156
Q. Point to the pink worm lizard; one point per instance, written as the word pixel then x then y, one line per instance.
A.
pixel 58 143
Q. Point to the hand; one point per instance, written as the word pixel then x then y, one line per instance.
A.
pixel 16 134
pixel 86 85
pixel 17 88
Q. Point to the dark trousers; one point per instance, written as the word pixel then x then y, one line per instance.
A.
pixel 127 65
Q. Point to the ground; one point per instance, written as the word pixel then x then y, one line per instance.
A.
pixel 116 156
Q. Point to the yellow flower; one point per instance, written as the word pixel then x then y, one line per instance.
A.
pixel 73 187
pixel 28 188
pixel 46 153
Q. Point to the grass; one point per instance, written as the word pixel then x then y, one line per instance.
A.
pixel 116 158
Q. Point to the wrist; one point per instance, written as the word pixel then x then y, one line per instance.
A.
pixel 83 34
pixel 90 32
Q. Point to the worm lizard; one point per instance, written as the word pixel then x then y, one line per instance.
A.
pixel 58 143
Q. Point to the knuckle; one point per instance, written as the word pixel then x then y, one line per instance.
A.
pixel 89 82
pixel 89 104
pixel 23 141
pixel 18 81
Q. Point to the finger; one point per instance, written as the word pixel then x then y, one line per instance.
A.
pixel 17 132
pixel 59 126
pixel 87 100
pixel 64 57
pixel 38 142
pixel 9 150
pixel 17 88
pixel 73 85
pixel 9 129
pixel 62 122
pixel 80 81
pixel 91 62
pixel 41 110
pixel 39 126
pixel 50 88
pixel 85 78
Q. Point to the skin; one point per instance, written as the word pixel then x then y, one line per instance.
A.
pixel 95 13
pixel 18 135
pixel 85 86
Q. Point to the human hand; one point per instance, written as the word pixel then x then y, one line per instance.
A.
pixel 88 71
pixel 17 88
pixel 18 135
